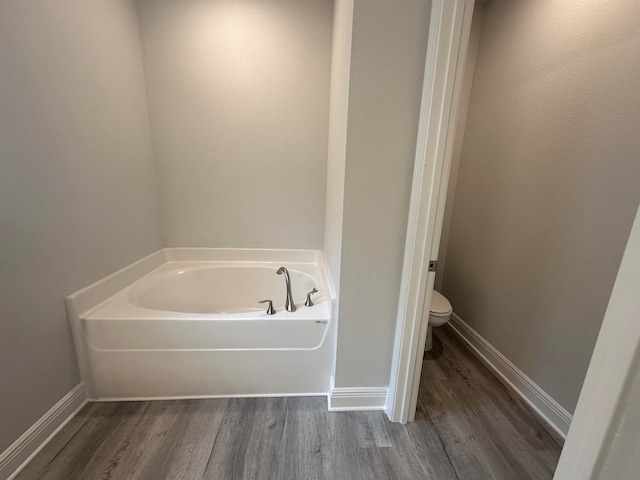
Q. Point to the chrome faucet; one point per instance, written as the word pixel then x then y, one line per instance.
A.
pixel 289 304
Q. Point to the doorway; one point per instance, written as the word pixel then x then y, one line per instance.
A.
pixel 416 290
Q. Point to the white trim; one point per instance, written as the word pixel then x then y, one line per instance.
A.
pixel 613 366
pixel 20 453
pixel 449 29
pixel 550 411
pixel 356 399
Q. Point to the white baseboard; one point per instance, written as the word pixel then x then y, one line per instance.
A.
pixel 349 399
pixel 20 453
pixel 550 411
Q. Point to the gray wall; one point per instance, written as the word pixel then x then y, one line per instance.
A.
pixel 387 66
pixel 239 98
pixel 465 97
pixel 548 182
pixel 77 193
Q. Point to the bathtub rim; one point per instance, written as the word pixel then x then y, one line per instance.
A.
pixel 93 295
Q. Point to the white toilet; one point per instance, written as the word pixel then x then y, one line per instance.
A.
pixel 439 313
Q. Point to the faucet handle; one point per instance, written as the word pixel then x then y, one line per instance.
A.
pixel 309 303
pixel 270 309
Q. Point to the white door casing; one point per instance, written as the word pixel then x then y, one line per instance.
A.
pixel 449 29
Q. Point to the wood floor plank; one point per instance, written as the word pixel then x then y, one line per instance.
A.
pixel 185 454
pixel 88 440
pixel 400 461
pixel 345 441
pixel 371 430
pixel 125 453
pixel 265 438
pixel 466 401
pixel 428 445
pixel 228 456
pixel 512 418
pixel 466 452
pixel 37 466
pixel 472 453
pixel 384 464
pixel 305 449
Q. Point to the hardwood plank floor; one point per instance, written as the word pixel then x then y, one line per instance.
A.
pixel 486 430
pixel 468 426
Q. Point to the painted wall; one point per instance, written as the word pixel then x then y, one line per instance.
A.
pixel 77 192
pixel 548 182
pixel 239 97
pixel 384 102
pixel 465 97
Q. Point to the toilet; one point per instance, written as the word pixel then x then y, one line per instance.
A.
pixel 439 313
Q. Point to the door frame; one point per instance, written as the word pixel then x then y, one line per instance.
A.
pixel 449 29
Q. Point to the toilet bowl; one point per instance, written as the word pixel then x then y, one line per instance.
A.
pixel 439 313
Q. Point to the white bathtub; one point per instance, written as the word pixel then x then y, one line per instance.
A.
pixel 185 323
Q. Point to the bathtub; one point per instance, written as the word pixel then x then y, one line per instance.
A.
pixel 186 323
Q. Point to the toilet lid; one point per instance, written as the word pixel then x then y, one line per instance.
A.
pixel 439 304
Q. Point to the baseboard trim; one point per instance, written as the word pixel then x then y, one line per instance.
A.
pixel 20 453
pixel 350 399
pixel 551 412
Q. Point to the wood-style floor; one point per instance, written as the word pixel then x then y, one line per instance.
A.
pixel 468 426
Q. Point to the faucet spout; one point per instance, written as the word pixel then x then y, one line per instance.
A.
pixel 289 304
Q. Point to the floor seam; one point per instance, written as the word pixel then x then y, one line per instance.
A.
pixel 64 446
pixel 444 447
pixel 204 472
